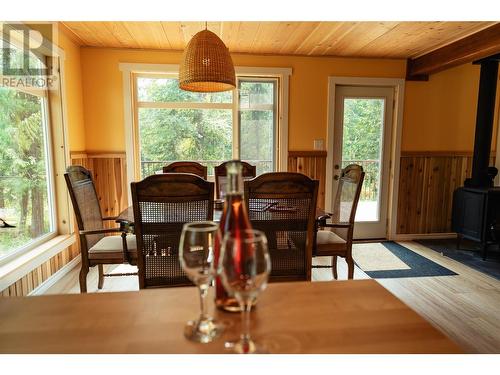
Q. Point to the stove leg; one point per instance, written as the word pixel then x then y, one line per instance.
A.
pixel 484 249
pixel 459 241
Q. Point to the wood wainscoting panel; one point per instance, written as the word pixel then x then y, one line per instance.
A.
pixel 427 181
pixel 109 172
pixel 313 165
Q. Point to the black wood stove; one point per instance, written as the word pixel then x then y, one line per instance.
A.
pixel 476 205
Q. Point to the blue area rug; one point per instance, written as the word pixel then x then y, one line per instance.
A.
pixel 419 265
pixel 468 254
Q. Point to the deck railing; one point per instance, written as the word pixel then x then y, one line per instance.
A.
pixel 151 167
pixel 369 191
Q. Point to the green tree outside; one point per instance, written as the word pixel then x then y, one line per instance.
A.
pixel 23 177
pixel 203 135
pixel 363 125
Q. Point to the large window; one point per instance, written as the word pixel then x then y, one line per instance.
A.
pixel 210 128
pixel 26 207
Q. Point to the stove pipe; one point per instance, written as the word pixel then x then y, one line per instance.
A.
pixel 482 175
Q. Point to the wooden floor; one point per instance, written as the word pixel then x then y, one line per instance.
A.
pixel 466 307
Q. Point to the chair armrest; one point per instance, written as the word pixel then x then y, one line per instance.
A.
pixel 321 220
pixel 110 218
pixel 324 217
pixel 100 231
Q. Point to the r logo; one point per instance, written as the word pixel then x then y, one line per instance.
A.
pixel 34 41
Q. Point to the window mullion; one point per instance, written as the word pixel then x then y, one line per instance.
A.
pixel 236 122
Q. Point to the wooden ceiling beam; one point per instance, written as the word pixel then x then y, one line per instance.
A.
pixel 476 46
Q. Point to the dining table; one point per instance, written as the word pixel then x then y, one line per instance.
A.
pixel 354 316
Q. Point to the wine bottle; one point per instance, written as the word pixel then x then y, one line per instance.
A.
pixel 234 219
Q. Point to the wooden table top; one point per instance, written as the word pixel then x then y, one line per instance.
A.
pixel 356 316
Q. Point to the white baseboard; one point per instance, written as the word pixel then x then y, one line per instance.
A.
pixel 426 236
pixel 43 287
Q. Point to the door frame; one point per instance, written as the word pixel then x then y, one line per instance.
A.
pixel 368 229
pixel 398 85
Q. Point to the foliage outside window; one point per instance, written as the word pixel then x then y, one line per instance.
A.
pixel 362 144
pixel 25 192
pixel 177 125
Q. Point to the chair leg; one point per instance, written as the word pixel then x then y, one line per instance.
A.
pixel 334 267
pixel 350 267
pixel 101 276
pixel 83 279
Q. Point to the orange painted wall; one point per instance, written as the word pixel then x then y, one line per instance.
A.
pixel 103 97
pixel 439 115
pixel 74 94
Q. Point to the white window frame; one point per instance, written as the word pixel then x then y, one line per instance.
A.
pixel 129 70
pixel 43 95
pixel 22 261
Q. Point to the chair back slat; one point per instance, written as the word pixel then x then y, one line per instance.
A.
pixel 162 205
pixel 85 202
pixel 283 206
pixel 347 197
pixel 248 172
pixel 186 167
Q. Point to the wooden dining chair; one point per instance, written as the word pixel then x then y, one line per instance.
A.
pixel 186 167
pixel 162 205
pixel 283 206
pixel 248 171
pixel 337 229
pixel 96 248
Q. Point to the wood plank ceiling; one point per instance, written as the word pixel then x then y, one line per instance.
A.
pixel 355 39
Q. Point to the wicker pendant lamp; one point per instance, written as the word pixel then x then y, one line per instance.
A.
pixel 206 65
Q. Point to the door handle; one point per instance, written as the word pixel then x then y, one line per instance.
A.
pixel 336 177
pixel 336 166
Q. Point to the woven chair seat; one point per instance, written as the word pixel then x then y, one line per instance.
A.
pixel 329 243
pixel 110 247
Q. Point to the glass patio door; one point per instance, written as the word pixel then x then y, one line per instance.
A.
pixel 362 134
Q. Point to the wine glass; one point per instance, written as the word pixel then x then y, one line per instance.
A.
pixel 244 271
pixel 197 259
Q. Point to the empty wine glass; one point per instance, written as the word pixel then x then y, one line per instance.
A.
pixel 197 259
pixel 244 271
